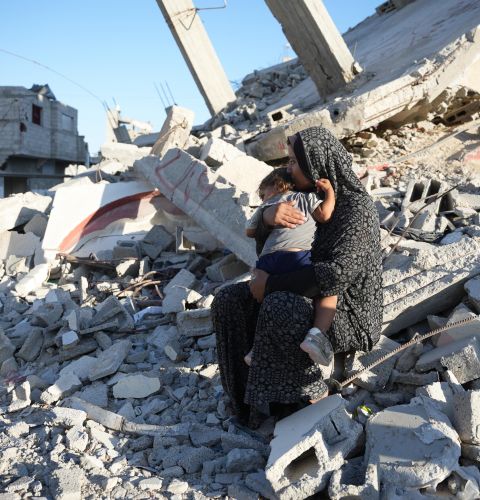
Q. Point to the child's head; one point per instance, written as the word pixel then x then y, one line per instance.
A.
pixel 276 182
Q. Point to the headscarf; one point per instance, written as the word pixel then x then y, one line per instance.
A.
pixel 321 155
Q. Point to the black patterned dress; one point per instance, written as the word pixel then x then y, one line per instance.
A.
pixel 346 258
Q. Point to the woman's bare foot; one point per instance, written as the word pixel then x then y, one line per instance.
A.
pixel 248 358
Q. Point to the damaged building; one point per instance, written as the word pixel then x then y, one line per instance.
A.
pixel 38 139
pixel 110 379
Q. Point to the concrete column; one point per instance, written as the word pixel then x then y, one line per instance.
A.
pixel 198 52
pixel 317 42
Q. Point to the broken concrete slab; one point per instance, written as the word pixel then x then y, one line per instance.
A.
pixel 378 377
pixel 418 72
pixel 125 154
pixel 432 281
pixel 464 363
pixel 33 280
pixel 216 152
pixel 308 446
pixel 6 347
pixel 156 241
pixel 245 173
pixel 460 332
pixel 21 208
pixel 174 132
pixel 37 225
pixel 63 387
pixel 32 346
pixel 401 437
pixel 112 310
pixel 355 480
pixel 441 394
pixel 193 188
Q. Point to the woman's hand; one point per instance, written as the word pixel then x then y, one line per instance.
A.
pixel 283 214
pixel 324 185
pixel 258 283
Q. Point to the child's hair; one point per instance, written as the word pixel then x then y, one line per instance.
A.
pixel 279 178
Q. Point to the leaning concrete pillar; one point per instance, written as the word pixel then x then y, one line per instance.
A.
pixel 317 42
pixel 198 52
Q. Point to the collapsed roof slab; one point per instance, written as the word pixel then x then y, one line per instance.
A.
pixel 409 57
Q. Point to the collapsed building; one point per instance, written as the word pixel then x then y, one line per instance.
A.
pixel 38 139
pixel 107 349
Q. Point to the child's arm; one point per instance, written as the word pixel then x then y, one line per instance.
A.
pixel 252 223
pixel 323 213
pixel 325 308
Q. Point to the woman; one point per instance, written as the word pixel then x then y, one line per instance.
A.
pixel 272 314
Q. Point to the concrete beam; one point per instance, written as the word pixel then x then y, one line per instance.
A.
pixel 315 38
pixel 193 41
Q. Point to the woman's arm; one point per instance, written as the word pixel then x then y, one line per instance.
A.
pixel 283 214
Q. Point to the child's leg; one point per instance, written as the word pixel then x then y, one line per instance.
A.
pixel 325 309
pixel 316 343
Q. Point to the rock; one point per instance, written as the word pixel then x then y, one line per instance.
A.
pixel 136 386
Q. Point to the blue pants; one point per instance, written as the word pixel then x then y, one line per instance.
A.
pixel 282 262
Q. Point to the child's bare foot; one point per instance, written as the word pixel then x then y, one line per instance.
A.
pixel 248 358
pixel 323 396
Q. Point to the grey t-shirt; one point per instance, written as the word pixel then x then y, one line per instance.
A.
pixel 283 238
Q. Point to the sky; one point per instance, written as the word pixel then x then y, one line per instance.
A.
pixel 117 50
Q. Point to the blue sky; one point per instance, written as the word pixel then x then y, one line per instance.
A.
pixel 117 49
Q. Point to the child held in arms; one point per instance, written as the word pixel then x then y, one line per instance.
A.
pixel 288 249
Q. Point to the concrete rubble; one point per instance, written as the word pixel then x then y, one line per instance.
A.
pixel 110 386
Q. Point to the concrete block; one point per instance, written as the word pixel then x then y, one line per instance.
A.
pixel 216 152
pixel 21 208
pixel 308 446
pixel 174 350
pixel 378 377
pixel 441 394
pixel 400 437
pixel 66 483
pixel 227 268
pixel 76 438
pixel 195 190
pixel 472 287
pixel 112 310
pixel 465 363
pixel 431 359
pixel 32 346
pixel 355 480
pixel 472 329
pixel 47 315
pixel 244 460
pixel 195 322
pixel 466 416
pixel 175 130
pixel 156 241
pixel 67 417
pixel 136 386
pixel 126 249
pixel 20 397
pixel 178 292
pixel 80 367
pixel 127 268
pixel 109 361
pixel 69 339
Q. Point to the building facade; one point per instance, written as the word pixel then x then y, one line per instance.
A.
pixel 38 139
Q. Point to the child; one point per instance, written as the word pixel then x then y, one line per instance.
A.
pixel 286 250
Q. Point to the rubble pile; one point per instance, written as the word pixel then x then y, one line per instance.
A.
pixel 110 383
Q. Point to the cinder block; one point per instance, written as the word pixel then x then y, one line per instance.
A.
pixel 308 446
pixel 355 480
pixel 195 322
pixel 226 269
pixel 466 416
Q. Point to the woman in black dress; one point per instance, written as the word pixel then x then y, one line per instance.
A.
pixel 273 313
